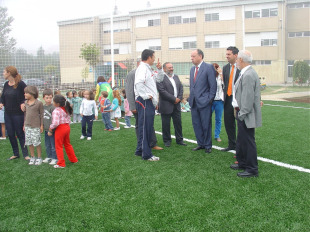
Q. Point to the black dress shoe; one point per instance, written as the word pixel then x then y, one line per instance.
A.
pixel 208 150
pixel 236 167
pixel 167 144
pixel 247 174
pixel 182 144
pixel 197 148
pixel 227 149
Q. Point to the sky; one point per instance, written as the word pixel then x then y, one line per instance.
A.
pixel 35 21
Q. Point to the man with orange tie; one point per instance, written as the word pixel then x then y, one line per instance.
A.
pixel 202 92
pixel 230 75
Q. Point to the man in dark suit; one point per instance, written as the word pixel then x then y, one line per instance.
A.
pixel 248 115
pixel 202 92
pixel 230 75
pixel 170 91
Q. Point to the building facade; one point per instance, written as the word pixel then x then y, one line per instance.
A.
pixel 276 32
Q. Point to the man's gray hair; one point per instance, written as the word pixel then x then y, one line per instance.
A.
pixel 246 56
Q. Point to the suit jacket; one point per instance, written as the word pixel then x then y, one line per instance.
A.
pixel 226 74
pixel 248 99
pixel 204 89
pixel 166 94
pixel 129 88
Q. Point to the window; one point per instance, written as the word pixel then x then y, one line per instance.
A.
pixel 261 13
pixel 212 44
pixel 269 12
pixel 212 17
pixel 189 20
pixel 306 33
pixel 189 45
pixel 153 22
pixel 290 64
pixel 269 42
pixel 299 5
pixel 261 62
pixel 274 12
pixel 175 20
pixel 256 14
pixel 108 51
pixel 155 48
pixel 248 14
pixel 299 34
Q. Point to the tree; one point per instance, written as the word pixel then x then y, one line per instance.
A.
pixel 90 53
pixel 84 73
pixel 301 72
pixel 7 43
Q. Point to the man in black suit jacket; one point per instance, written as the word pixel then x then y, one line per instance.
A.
pixel 230 71
pixel 170 91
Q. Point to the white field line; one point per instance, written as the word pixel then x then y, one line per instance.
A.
pixel 277 163
pixel 295 107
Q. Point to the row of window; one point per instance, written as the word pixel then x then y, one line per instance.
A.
pixel 299 34
pixel 215 17
pixel 261 13
pixel 299 5
pixel 116 30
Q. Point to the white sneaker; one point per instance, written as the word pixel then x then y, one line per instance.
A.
pixel 2 138
pixel 88 138
pixel 47 160
pixel 57 166
pixel 153 158
pixel 117 128
pixel 53 162
pixel 38 161
pixel 82 137
pixel 127 127
pixel 32 161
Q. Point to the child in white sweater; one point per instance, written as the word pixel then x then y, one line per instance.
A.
pixel 88 111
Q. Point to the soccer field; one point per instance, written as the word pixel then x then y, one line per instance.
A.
pixel 110 189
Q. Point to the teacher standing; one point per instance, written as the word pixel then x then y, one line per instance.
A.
pixel 202 92
pixel 13 100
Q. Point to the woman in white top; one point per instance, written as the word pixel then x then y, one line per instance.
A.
pixel 218 102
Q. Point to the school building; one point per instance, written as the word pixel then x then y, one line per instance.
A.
pixel 276 32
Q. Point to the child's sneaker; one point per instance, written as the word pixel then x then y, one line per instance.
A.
pixel 110 129
pixel 82 137
pixel 53 162
pixel 127 127
pixel 38 161
pixel 117 128
pixel 88 138
pixel 153 158
pixel 32 161
pixel 57 166
pixel 47 160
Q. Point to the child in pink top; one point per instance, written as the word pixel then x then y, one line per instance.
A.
pixel 61 123
pixel 128 113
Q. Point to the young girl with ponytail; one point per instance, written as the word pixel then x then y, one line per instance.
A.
pixel 61 124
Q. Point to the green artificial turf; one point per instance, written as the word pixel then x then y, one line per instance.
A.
pixel 111 189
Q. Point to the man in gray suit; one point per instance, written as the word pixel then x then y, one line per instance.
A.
pixel 248 114
pixel 170 91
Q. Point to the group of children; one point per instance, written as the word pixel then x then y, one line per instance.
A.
pixel 54 119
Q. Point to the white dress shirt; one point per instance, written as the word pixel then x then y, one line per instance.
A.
pixel 234 101
pixel 175 93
